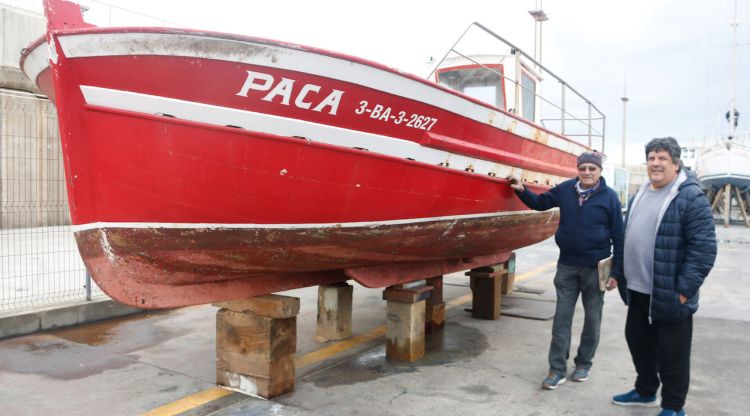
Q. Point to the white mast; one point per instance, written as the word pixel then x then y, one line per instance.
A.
pixel 625 100
pixel 732 105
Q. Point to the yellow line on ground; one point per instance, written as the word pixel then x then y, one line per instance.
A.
pixel 338 347
pixel 535 271
pixel 316 356
pixel 189 402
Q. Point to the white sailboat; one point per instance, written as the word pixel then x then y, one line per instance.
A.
pixel 726 163
pixel 724 167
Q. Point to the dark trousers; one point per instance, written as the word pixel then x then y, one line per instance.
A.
pixel 660 351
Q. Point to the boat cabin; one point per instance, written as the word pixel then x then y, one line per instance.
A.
pixel 491 79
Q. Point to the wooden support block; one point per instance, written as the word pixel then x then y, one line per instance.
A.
pixel 509 280
pixel 434 319
pixel 492 268
pixel 274 306
pixel 255 353
pixel 500 272
pixel 404 331
pixel 251 335
pixel 281 383
pixel 486 297
pixel 334 312
pixel 436 295
pixel 741 204
pixel 407 295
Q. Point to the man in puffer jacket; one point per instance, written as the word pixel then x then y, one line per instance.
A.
pixel 670 247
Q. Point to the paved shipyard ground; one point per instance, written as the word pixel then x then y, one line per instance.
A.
pixel 164 363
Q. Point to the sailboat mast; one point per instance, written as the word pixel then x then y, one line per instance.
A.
pixel 733 103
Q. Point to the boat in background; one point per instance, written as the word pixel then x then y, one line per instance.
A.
pixel 726 163
pixel 724 167
pixel 204 166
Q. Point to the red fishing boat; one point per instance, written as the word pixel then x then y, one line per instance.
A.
pixel 205 166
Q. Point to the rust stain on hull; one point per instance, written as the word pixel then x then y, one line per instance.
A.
pixel 161 267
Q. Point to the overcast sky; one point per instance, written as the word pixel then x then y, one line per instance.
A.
pixel 675 54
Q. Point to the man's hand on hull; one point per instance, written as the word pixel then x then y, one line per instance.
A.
pixel 514 183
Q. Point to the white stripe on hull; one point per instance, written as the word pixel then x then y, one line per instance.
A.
pixel 98 225
pixel 289 127
pixel 290 58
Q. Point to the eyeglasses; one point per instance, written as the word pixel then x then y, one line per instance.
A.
pixel 588 168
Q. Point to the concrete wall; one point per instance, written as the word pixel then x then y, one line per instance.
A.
pixel 18 28
pixel 32 182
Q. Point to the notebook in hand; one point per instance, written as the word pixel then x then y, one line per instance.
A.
pixel 605 271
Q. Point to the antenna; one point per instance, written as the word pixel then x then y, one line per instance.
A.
pixel 539 17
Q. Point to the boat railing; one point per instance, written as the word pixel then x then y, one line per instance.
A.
pixel 586 120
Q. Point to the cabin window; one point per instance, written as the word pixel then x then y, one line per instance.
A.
pixel 477 82
pixel 528 96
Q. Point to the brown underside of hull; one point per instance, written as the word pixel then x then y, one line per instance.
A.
pixel 170 267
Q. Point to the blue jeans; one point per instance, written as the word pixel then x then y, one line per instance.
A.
pixel 569 282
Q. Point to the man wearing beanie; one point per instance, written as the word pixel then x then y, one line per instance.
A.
pixel 590 226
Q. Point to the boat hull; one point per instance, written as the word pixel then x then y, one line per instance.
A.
pixel 203 167
pixel 719 166
pixel 165 267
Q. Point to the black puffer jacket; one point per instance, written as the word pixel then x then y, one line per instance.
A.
pixel 684 251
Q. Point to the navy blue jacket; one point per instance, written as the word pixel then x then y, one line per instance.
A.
pixel 684 251
pixel 587 232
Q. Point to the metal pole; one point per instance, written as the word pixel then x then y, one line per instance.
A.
pixel 536 40
pixel 517 110
pixel 540 41
pixel 589 104
pixel 624 116
pixel 539 17
pixel 727 204
pixel 562 104
pixel 604 129
pixel 88 285
pixel 732 116
pixel 453 47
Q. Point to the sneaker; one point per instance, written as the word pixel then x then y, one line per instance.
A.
pixel 670 412
pixel 580 374
pixel 552 381
pixel 632 398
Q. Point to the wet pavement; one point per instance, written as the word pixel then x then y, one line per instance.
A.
pixel 139 364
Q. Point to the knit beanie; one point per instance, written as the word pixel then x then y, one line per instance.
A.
pixel 590 157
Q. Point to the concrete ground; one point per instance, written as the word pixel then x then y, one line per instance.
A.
pixel 163 363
